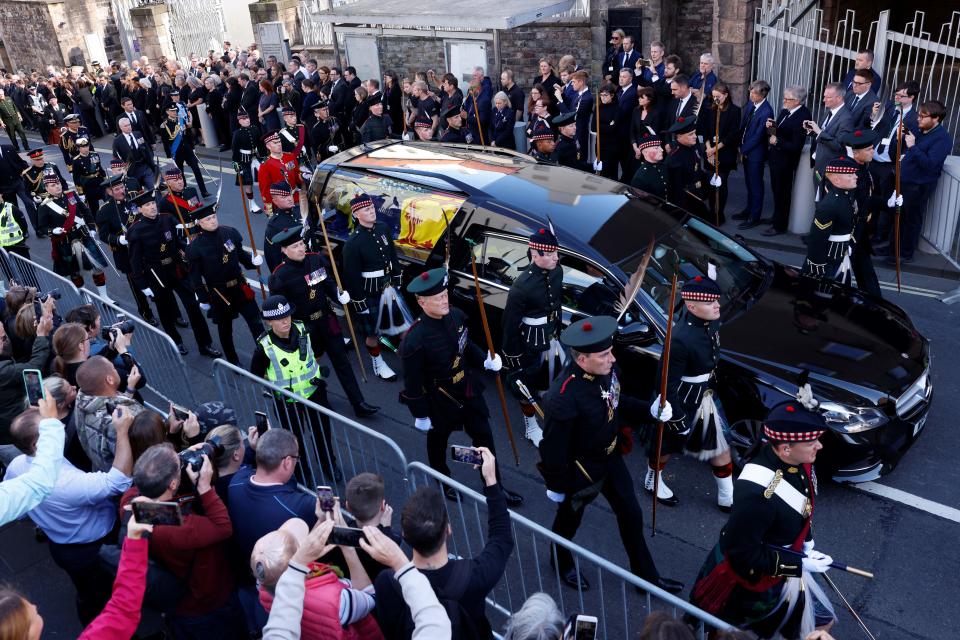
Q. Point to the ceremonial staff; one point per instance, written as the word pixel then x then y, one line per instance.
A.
pixel 476 113
pixel 833 565
pixel 665 361
pixel 596 104
pixel 716 164
pixel 253 244
pixel 176 207
pixel 336 276
pixel 896 223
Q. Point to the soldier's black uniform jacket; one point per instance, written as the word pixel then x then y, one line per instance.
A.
pixel 542 157
pixel 581 430
pixel 376 128
pixel 535 296
pixel 307 285
pixel 247 145
pixel 454 135
pixel 68 144
pixel 369 251
pixel 436 354
pixel 88 175
pixel 114 219
pixel 323 134
pixel 868 200
pixel 156 252
pixel 216 260
pixel 652 178
pixel 834 218
pixel 568 155
pixel 686 183
pixel 694 351
pixel 54 212
pixel 292 137
pixel 33 179
pixel 280 220
pixel 169 130
pixel 187 200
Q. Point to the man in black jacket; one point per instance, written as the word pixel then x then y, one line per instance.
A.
pixel 340 94
pixel 12 167
pixel 787 137
pixel 138 120
pixel 132 147
pixel 250 98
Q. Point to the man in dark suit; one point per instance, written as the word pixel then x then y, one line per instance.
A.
pixel 861 99
pixel 864 60
pixel 787 137
pixel 753 152
pixel 12 167
pixel 138 121
pixel 615 50
pixel 340 94
pixel 250 98
pixel 626 103
pixel 581 106
pixel 626 58
pixel 131 146
pixel 683 103
pixel 834 124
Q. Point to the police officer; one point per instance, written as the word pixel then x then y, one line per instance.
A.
pixel 568 152
pixel 12 236
pixel 438 389
pixel 68 217
pixel 686 182
pixel 862 142
pixel 68 139
pixel 88 174
pixel 114 218
pixel 216 258
pixel 247 148
pixel 33 178
pixel 286 215
pixel 768 543
pixel 178 201
pixel 454 131
pixel 698 421
pixel 651 175
pixel 828 244
pixel 370 267
pixel 158 270
pixel 284 356
pixel 177 138
pixel 582 449
pixel 543 143
pixel 293 137
pixel 531 326
pixel 304 279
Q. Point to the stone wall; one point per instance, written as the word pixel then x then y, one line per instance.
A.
pixel 111 34
pixel 405 56
pixel 151 25
pixel 733 41
pixel 695 22
pixel 28 35
pixel 522 47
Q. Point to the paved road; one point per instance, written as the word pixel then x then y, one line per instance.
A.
pixel 911 549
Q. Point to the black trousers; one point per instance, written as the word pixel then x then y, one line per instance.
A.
pixel 618 489
pixel 781 182
pixel 190 158
pixel 327 338
pixel 143 305
pixel 863 271
pixel 143 174
pixel 93 584
pixel 224 321
pixel 167 311
pixel 884 183
pixel 474 419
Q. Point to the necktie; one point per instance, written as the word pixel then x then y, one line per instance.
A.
pixel 826 120
pixel 679 108
pixel 783 116
pixel 133 143
pixel 624 63
pixel 133 117
pixel 855 102
pixel 893 133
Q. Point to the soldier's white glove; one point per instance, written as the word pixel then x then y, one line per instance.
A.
pixel 468 138
pixel 896 200
pixel 807 546
pixel 93 233
pixel 598 165
pixel 257 260
pixel 556 497
pixel 122 240
pixel 179 227
pixel 663 415
pixel 716 180
pixel 493 362
pixel 80 222
pixel 343 297
pixel 422 424
pixel 333 148
pixel 816 562
pixel 204 307
pixel 58 231
pixel 148 291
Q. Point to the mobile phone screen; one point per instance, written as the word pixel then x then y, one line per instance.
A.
pixel 467 455
pixel 261 418
pixel 346 536
pixel 33 383
pixel 326 498
pixel 181 414
pixel 166 513
pixel 586 628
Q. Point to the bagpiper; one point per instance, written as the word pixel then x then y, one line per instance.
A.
pixel 532 320
pixel 686 182
pixel 88 174
pixel 247 150
pixel 698 423
pixel 759 575
pixel 216 259
pixel 651 175
pixel 74 248
pixel 828 244
pixel 438 387
pixel 158 269
pixel 583 447
pixel 177 138
pixel 68 139
pixel 371 276
pixel 278 167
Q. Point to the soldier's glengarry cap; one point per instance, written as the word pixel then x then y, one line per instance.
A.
pixel 684 124
pixel 360 201
pixel 792 422
pixel 273 136
pixel 35 153
pixel 143 198
pixel 590 335
pixel 206 209
pixel 648 141
pixel 429 283
pixel 423 121
pixel 542 131
pixel 860 139
pixel 280 189
pixel 288 111
pixel 117 163
pixel 51 178
pixel 543 240
pixel 83 142
pixel 564 119
pixel 452 111
pixel 842 165
pixel 276 307
pixel 172 107
pixel 700 289
pixel 242 113
pixel 321 104
pixel 288 236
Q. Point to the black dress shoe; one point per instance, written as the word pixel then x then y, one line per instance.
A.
pixel 210 352
pixel 749 224
pixel 364 410
pixel 182 349
pixel 513 499
pixel 767 221
pixel 771 232
pixel 573 578
pixel 41 235
pixel 183 324
pixel 669 585
pixel 743 215
pixel 672 501
pixel 204 194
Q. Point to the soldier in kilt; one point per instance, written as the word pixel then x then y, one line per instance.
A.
pixel 247 150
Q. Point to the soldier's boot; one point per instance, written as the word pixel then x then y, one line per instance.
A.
pixel 102 292
pixel 254 207
pixel 381 369
pixel 664 494
pixel 724 476
pixel 532 430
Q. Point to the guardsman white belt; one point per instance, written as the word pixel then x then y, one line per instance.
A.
pixel 373 274
pixel 845 237
pixel 534 322
pixel 696 379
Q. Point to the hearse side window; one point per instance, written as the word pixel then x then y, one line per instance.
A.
pixel 500 259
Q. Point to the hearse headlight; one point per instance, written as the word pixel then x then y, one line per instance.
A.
pixel 852 419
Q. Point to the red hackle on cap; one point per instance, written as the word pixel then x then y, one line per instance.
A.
pixel 587 326
pixel 791 408
pixel 424 276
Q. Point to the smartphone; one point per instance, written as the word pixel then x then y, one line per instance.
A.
pixel 180 413
pixel 167 513
pixel 326 498
pixel 261 419
pixel 580 627
pixel 467 455
pixel 346 536
pixel 33 382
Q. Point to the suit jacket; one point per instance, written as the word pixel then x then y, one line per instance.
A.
pixel 860 114
pixel 827 145
pixel 753 141
pixel 250 99
pixel 339 96
pixel 791 137
pixel 626 103
pixel 142 155
pixel 582 104
pixel 848 80
pixel 631 63
pixel 884 126
pixel 687 112
pixel 141 125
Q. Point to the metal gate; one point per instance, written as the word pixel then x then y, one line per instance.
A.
pixel 121 12
pixel 196 26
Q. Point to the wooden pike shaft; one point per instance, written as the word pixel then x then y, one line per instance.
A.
pixel 663 397
pixel 253 244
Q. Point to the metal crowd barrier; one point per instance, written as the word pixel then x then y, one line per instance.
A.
pixel 352 447
pixel 619 599
pixel 30 274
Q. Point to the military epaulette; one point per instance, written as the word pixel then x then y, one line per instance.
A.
pixel 76 156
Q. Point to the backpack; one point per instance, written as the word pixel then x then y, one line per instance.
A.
pixel 462 625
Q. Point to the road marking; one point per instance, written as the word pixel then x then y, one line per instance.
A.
pixel 911 290
pixel 934 508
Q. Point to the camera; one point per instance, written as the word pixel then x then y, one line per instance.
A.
pixel 193 458
pixel 53 293
pixel 126 327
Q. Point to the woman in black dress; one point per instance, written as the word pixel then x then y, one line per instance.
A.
pixel 647 118
pixel 393 96
pixel 723 118
pixel 609 143
pixel 547 78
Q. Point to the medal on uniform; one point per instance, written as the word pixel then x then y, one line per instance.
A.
pixel 228 245
pixel 316 277
pixel 167 236
pixel 462 340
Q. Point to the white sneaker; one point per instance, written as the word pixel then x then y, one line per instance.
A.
pixel 382 370
pixel 724 493
pixel 532 430
pixel 663 491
